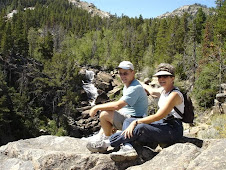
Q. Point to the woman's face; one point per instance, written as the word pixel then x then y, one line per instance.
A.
pixel 165 80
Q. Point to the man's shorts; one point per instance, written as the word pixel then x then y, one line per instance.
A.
pixel 119 119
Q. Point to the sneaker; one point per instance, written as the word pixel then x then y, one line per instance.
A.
pixel 95 137
pixel 97 146
pixel 125 153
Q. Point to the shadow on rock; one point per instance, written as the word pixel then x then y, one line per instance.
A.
pixel 195 141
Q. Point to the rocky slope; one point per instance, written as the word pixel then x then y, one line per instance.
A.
pixel 190 9
pixel 91 8
pixel 52 152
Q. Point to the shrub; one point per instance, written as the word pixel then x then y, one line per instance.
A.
pixel 206 87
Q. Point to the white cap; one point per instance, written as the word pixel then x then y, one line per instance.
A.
pixel 126 65
pixel 162 73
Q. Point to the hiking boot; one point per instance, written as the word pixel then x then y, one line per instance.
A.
pixel 97 146
pixel 125 153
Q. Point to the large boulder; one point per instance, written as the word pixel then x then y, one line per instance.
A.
pixel 188 156
pixel 52 152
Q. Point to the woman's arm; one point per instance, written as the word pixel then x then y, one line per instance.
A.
pixel 173 100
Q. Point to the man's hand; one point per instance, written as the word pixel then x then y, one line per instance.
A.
pixel 93 111
pixel 128 132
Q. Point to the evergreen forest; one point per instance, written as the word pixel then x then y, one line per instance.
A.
pixel 42 49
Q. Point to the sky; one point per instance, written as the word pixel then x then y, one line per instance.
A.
pixel 146 8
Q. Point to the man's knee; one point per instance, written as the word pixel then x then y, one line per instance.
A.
pixel 106 115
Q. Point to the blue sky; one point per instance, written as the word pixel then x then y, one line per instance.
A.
pixel 147 8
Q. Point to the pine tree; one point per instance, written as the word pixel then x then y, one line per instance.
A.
pixel 4 103
pixel 161 43
pixel 208 39
pixel 2 23
pixel 181 33
pixel 33 41
pixel 46 46
pixel 199 23
pixel 221 21
pixel 173 37
pixel 7 41
pixel 20 46
pixel 219 3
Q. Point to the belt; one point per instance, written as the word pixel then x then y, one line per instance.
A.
pixel 137 116
pixel 171 119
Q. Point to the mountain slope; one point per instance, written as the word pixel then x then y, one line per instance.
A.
pixel 190 9
pixel 91 8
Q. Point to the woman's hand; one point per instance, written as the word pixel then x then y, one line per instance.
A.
pixel 128 132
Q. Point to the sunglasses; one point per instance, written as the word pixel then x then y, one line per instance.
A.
pixel 163 76
pixel 123 74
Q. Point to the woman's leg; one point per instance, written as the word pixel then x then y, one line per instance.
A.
pixel 156 132
pixel 160 132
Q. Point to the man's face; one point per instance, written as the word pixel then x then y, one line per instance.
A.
pixel 127 76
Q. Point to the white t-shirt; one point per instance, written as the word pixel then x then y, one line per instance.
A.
pixel 163 99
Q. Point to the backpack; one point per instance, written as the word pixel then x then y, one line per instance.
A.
pixel 188 115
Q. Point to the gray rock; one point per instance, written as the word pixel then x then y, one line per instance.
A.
pixel 223 86
pixel 177 156
pixel 105 77
pixel 190 9
pixel 91 8
pixel 52 152
pixel 221 97
pixel 188 156
pixel 212 158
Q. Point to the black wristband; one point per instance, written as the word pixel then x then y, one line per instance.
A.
pixel 136 122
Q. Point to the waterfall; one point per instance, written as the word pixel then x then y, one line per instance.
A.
pixel 89 87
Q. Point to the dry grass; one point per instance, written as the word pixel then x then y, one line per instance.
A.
pixel 217 128
pixel 219 123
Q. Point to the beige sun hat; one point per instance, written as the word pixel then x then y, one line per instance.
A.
pixel 164 69
pixel 127 65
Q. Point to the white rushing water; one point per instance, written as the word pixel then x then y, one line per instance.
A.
pixel 89 87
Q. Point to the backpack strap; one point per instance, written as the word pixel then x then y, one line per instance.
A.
pixel 175 108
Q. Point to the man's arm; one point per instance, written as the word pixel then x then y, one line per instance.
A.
pixel 107 106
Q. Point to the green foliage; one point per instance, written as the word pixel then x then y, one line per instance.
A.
pixel 180 67
pixel 54 130
pixel 221 21
pixel 6 41
pixel 33 38
pixel 199 24
pixel 206 85
pixel 19 36
pixel 161 43
pixel 4 105
pixel 46 46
